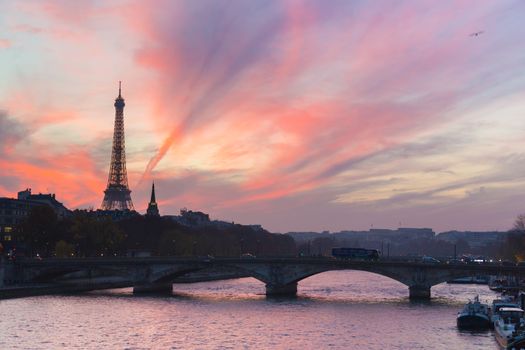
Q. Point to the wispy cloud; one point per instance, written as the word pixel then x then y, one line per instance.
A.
pixel 269 111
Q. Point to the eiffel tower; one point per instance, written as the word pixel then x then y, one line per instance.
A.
pixel 117 195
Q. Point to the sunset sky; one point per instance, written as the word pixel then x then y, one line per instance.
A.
pixel 297 115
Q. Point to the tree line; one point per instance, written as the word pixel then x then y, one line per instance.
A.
pixel 85 234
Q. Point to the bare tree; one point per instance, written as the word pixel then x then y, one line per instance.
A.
pixel 514 246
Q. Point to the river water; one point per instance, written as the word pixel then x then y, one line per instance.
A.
pixel 333 310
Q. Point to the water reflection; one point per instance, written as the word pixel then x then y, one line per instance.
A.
pixel 340 309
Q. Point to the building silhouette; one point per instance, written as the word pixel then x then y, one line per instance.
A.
pixel 117 195
pixel 153 208
pixel 15 210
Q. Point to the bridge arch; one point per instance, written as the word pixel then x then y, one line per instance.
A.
pixel 283 278
pixel 50 274
pixel 373 273
pixel 171 273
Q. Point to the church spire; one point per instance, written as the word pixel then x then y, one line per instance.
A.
pixel 153 209
pixel 153 193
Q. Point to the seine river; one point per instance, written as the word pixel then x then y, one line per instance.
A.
pixel 333 310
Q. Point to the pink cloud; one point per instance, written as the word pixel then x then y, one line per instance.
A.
pixel 279 98
pixel 203 76
pixel 4 43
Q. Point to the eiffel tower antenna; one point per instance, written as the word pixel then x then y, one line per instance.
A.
pixel 117 195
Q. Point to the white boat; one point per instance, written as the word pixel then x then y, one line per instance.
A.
pixel 474 315
pixel 509 328
pixel 498 304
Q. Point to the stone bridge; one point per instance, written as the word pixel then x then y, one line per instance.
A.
pixel 280 275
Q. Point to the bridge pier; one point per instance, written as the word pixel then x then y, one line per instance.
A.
pixel 153 288
pixel 419 292
pixel 281 289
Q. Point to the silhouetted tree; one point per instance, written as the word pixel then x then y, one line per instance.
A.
pixel 88 233
pixel 514 246
pixel 64 249
pixel 96 236
pixel 40 231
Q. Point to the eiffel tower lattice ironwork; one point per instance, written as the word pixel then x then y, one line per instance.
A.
pixel 117 195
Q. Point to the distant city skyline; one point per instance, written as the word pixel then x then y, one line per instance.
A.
pixel 296 115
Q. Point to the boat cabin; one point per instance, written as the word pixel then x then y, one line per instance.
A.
pixel 499 304
pixel 511 315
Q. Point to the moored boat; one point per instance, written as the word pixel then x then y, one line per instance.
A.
pixel 509 328
pixel 474 315
pixel 498 304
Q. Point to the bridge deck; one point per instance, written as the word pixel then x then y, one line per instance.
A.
pixel 488 268
pixel 280 274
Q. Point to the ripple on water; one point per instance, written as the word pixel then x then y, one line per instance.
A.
pixel 339 310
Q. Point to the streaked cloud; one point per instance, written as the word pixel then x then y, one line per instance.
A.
pixel 291 114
